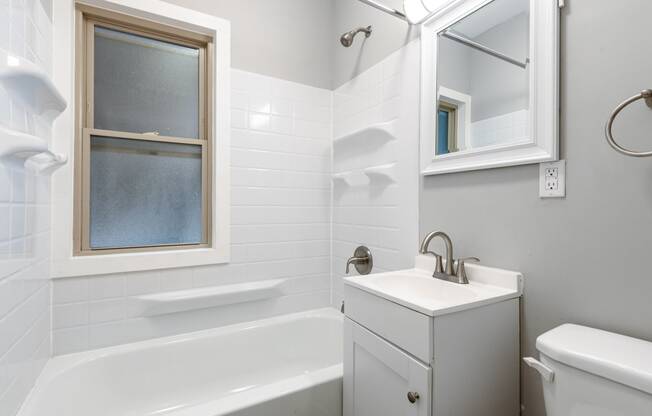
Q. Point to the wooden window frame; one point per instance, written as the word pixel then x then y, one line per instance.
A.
pixel 87 19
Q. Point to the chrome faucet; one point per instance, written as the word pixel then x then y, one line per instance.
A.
pixel 451 273
pixel 449 252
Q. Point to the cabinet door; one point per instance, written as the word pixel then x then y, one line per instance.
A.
pixel 378 377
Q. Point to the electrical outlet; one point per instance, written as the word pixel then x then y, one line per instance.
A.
pixel 552 179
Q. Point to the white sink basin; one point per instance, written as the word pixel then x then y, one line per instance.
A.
pixel 418 290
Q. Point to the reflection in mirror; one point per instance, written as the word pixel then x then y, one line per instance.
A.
pixel 483 79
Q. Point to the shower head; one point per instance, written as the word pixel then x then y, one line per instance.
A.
pixel 347 39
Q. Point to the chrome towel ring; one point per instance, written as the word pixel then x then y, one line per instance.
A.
pixel 644 95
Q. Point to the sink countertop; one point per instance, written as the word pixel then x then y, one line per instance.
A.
pixel 416 289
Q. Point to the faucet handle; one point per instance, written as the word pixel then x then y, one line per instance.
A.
pixel 439 268
pixel 461 269
pixel 362 260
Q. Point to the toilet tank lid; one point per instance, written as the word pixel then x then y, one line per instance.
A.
pixel 617 357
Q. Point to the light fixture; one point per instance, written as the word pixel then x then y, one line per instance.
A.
pixel 417 10
pixel 414 10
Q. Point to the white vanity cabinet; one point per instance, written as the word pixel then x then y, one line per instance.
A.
pixel 381 375
pixel 418 346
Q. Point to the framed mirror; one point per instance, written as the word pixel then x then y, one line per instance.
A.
pixel 489 90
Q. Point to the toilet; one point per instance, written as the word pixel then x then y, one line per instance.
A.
pixel 590 372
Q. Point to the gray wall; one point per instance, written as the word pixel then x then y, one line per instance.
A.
pixel 298 40
pixel 287 39
pixel 453 65
pixel 389 35
pixel 499 87
pixel 585 257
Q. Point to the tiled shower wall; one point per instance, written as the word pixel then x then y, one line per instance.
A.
pixel 378 213
pixel 25 31
pixel 280 215
pixel 281 208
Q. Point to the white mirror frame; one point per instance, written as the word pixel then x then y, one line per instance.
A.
pixel 543 145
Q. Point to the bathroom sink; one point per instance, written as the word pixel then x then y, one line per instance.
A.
pixel 416 289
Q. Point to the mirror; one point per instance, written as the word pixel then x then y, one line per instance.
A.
pixel 481 103
pixel 483 82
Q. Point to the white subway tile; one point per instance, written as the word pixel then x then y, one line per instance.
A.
pixel 216 275
pixel 282 107
pixel 142 283
pixel 106 310
pixel 258 104
pixel 281 125
pixel 18 186
pixel 69 340
pixel 239 100
pixel 69 290
pixel 239 119
pixel 313 129
pixel 175 279
pixel 106 286
pixel 259 121
pixel 5 174
pixel 18 221
pixel 5 222
pixel 118 332
pixel 69 315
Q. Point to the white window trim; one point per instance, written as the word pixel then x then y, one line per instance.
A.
pixel 463 103
pixel 63 262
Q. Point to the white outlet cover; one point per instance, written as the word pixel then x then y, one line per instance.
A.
pixel 560 191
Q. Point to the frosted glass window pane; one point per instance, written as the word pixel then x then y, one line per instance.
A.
pixel 145 85
pixel 144 193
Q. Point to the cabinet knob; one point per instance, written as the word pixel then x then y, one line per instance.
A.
pixel 413 396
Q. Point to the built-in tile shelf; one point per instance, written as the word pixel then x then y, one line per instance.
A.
pixel 373 174
pixel 202 298
pixel 30 85
pixel 25 150
pixel 342 178
pixel 382 173
pixel 375 134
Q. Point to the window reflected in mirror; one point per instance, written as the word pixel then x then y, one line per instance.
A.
pixel 447 127
pixel 483 79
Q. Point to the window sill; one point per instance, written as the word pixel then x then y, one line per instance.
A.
pixel 139 261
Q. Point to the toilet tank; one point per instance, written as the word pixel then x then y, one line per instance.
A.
pixel 594 372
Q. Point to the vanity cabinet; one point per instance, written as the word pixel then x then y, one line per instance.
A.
pixel 379 377
pixel 417 346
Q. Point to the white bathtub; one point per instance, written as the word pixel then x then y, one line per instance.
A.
pixel 287 365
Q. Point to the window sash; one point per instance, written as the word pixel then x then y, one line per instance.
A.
pixel 88 17
pixel 89 71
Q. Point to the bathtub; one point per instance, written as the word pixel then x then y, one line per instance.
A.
pixel 287 365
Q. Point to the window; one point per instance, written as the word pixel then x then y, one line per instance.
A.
pixel 446 128
pixel 143 150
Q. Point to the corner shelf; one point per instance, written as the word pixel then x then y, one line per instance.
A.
pixel 381 173
pixel 19 149
pixel 342 178
pixel 202 298
pixel 32 86
pixel 29 85
pixel 377 134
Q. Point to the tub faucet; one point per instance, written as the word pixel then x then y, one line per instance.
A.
pixel 440 273
pixel 362 260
